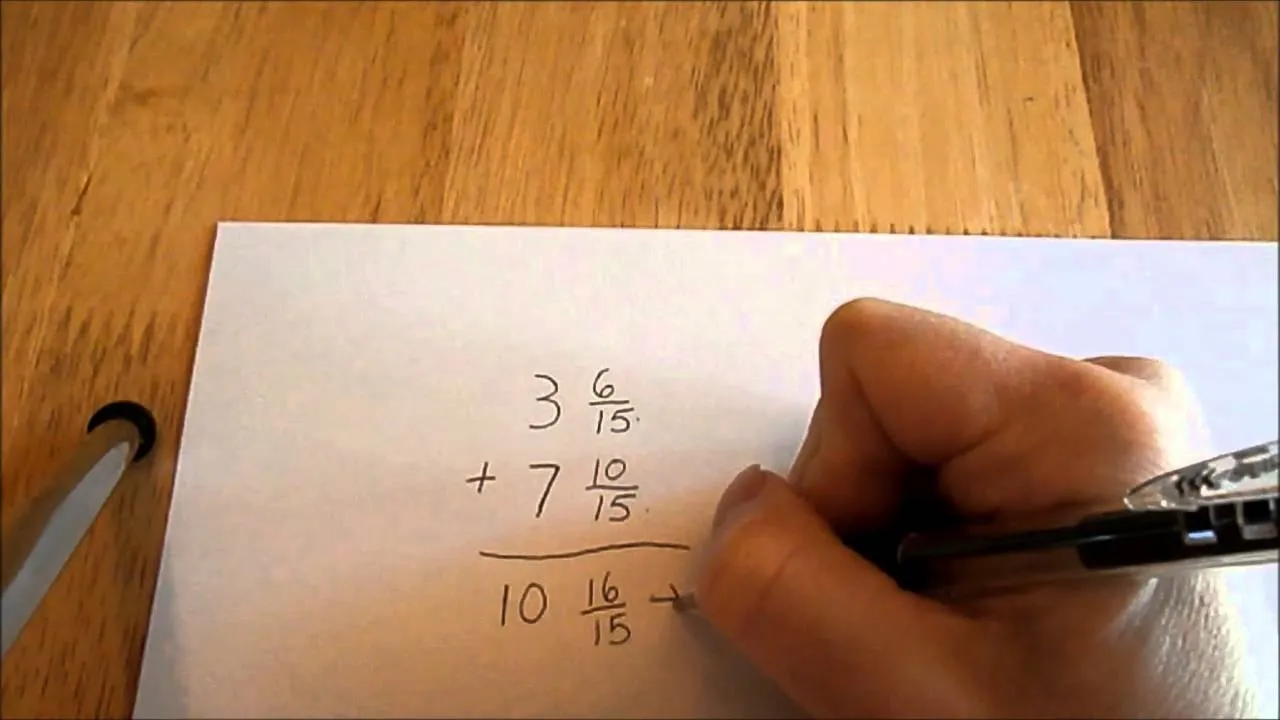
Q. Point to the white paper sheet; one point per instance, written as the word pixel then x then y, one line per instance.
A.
pixel 323 555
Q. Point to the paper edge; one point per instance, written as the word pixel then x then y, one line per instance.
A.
pixel 179 435
pixel 849 234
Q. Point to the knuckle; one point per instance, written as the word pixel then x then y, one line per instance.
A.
pixel 1162 388
pixel 1153 371
pixel 861 318
pixel 852 315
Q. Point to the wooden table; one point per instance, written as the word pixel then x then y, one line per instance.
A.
pixel 129 129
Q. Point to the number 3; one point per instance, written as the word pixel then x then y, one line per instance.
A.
pixel 549 398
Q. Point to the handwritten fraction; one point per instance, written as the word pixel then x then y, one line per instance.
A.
pixel 606 603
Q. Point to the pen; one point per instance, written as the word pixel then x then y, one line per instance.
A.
pixel 44 537
pixel 1217 513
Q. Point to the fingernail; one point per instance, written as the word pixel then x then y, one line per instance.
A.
pixel 742 490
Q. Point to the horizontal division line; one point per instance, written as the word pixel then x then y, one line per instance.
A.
pixel 612 488
pixel 612 547
pixel 605 608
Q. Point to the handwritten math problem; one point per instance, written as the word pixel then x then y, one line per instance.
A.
pixel 606 604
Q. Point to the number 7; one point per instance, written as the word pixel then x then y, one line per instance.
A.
pixel 546 492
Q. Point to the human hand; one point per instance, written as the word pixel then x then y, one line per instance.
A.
pixel 1010 432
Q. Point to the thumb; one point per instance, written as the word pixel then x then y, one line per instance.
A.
pixel 834 632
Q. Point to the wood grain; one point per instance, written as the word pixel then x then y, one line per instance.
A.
pixel 953 118
pixel 129 129
pixel 1183 97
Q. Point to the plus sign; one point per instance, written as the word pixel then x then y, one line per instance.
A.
pixel 482 478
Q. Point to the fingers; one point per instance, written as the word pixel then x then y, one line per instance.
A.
pixel 903 387
pixel 822 622
pixel 1009 428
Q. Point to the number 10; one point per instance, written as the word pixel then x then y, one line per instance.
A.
pixel 531 607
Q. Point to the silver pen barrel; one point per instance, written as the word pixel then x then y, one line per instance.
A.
pixel 39 542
